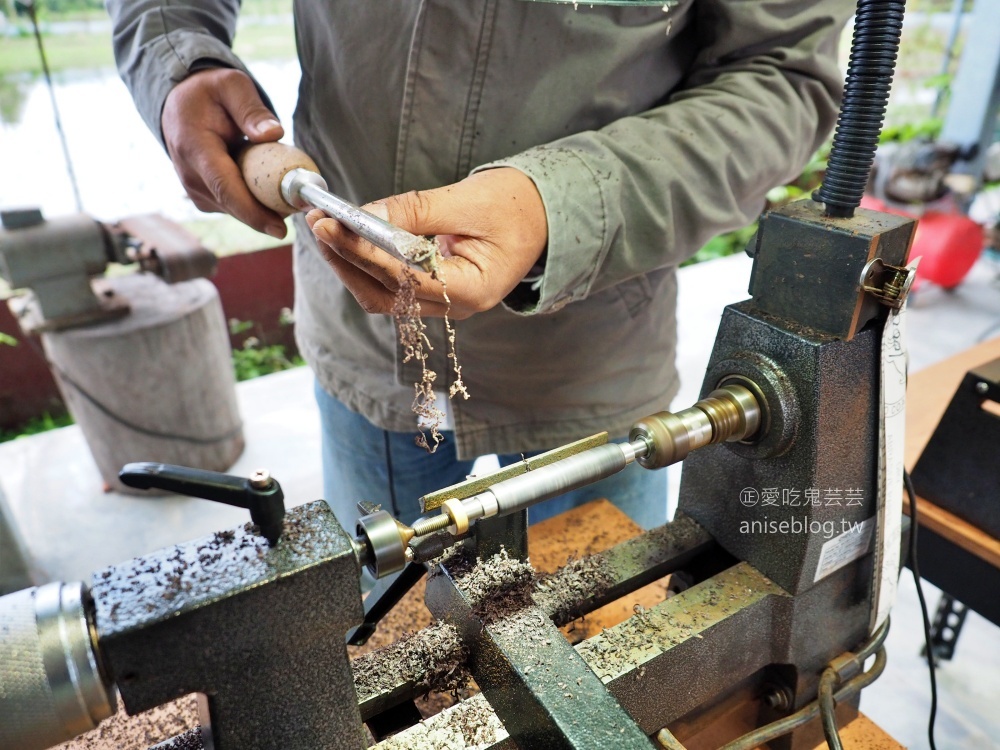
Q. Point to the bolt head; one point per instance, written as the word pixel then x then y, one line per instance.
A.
pixel 260 479
pixel 778 698
pixel 408 554
pixel 982 387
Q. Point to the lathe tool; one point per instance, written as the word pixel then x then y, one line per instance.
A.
pixel 286 180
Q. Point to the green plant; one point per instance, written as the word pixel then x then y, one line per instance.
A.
pixel 928 128
pixel 722 245
pixel 7 340
pixel 36 425
pixel 237 326
pixel 254 358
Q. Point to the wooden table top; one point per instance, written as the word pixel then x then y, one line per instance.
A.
pixel 928 394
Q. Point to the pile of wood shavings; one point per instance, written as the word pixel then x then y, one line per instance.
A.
pixel 433 657
pixel 139 732
pixel 416 345
pixel 494 588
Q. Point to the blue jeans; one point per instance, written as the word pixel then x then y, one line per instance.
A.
pixel 364 462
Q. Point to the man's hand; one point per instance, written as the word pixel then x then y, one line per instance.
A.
pixel 203 117
pixel 491 227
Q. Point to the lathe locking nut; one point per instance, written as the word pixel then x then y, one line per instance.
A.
pixel 456 512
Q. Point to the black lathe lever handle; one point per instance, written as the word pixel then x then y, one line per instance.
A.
pixel 260 494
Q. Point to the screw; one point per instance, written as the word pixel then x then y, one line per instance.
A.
pixel 779 698
pixel 261 479
pixel 982 387
pixel 408 554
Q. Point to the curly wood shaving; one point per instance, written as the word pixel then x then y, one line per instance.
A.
pixel 416 345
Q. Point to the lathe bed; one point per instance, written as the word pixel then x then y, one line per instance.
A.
pixel 583 531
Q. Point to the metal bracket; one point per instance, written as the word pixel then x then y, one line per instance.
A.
pixel 888 284
pixel 946 628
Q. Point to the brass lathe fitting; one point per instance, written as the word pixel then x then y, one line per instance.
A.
pixel 730 413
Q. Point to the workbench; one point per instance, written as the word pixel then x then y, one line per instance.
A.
pixel 957 557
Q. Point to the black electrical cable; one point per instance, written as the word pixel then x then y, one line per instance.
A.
pixel 877 28
pixel 915 568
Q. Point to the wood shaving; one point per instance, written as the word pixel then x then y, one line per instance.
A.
pixel 139 732
pixel 413 338
pixel 433 658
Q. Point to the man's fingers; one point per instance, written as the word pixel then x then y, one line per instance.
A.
pixel 340 243
pixel 242 100
pixel 224 182
pixel 203 116
pixel 371 295
pixel 494 227
pixel 372 260
pixel 464 278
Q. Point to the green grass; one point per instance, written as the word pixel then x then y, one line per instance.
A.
pixel 92 50
pixel 64 52
pixel 255 359
pixel 36 425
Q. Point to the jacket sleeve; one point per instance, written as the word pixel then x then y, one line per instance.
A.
pixel 648 191
pixel 158 44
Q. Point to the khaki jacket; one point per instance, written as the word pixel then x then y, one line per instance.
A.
pixel 647 130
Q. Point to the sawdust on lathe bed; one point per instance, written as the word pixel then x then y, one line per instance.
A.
pixel 139 732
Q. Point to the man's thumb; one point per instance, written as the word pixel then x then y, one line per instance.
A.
pixel 247 109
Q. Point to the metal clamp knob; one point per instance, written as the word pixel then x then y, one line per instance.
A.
pixel 260 494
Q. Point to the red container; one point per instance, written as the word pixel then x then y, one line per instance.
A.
pixel 948 244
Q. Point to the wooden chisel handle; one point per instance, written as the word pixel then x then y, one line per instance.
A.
pixel 286 180
pixel 263 166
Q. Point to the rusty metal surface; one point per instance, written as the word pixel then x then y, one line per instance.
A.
pixel 430 659
pixel 258 629
pixel 677 659
pixel 471 724
pixel 108 305
pixel 475 485
pixel 166 248
pixel 632 564
pixel 808 267
pixel 508 532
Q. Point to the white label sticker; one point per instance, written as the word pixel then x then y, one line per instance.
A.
pixel 892 435
pixel 845 548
